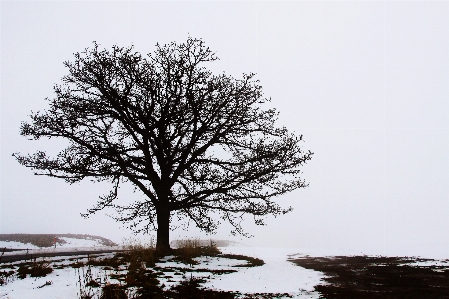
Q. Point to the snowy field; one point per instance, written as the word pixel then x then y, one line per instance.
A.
pixel 277 275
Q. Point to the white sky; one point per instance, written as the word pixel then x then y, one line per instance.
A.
pixel 366 83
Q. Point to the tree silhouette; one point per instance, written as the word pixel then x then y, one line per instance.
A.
pixel 198 146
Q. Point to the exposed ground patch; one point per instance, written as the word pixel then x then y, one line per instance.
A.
pixel 365 277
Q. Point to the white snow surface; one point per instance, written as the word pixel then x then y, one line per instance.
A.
pixel 63 286
pixel 71 242
pixel 276 276
pixel 16 245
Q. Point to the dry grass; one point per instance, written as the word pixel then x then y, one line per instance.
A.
pixel 113 291
pixel 137 252
pixel 190 248
pixel 34 269
pixel 187 250
pixel 87 283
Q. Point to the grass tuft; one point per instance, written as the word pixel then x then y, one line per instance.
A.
pixel 6 276
pixel 113 291
pixel 136 252
pixel 87 283
pixel 34 269
pixel 191 248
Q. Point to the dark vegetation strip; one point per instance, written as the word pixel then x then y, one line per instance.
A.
pixel 365 277
pixel 252 261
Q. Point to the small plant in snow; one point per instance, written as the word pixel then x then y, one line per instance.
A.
pixel 6 276
pixel 87 283
pixel 34 269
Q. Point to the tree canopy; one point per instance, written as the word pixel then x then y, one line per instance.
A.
pixel 195 144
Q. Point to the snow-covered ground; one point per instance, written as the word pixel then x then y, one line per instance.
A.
pixel 16 245
pixel 63 285
pixel 277 275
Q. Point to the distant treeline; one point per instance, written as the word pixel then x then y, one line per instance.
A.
pixel 48 240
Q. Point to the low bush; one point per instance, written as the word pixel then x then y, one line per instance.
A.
pixel 34 269
pixel 5 276
pixel 113 291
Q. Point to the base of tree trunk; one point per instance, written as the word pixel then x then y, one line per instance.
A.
pixel 162 251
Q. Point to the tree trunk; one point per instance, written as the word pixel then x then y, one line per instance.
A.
pixel 163 231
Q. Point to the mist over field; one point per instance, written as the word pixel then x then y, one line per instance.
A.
pixel 366 83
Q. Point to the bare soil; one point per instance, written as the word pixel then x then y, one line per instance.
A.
pixel 368 277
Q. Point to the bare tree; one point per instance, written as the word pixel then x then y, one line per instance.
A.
pixel 197 145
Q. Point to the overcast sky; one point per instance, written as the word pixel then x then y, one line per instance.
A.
pixel 366 83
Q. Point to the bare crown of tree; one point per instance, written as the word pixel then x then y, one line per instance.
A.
pixel 196 145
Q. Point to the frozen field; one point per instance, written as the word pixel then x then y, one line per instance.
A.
pixel 277 275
